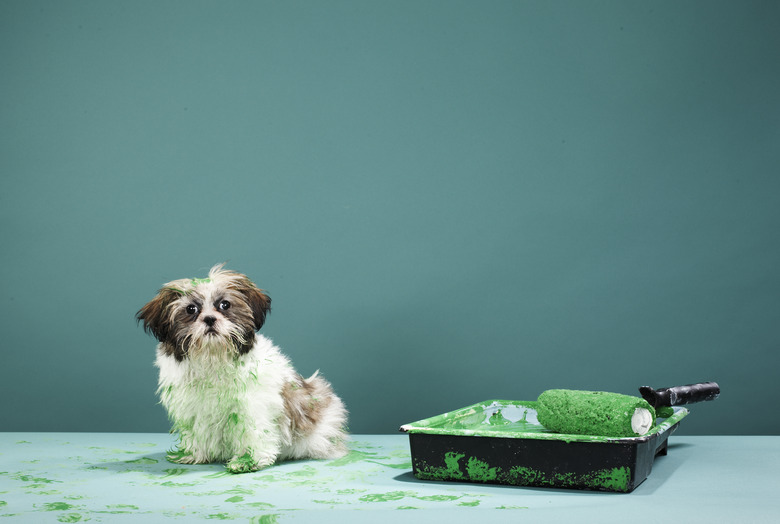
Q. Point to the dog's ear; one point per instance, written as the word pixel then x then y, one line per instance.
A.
pixel 258 301
pixel 156 315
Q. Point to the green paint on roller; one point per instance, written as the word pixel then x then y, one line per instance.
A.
pixel 576 412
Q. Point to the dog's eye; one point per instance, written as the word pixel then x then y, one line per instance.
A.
pixel 224 305
pixel 192 309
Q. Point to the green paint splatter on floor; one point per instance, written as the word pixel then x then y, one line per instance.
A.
pixel 306 471
pixel 403 465
pixel 236 498
pixel 438 498
pixel 30 478
pixel 272 518
pixel 351 458
pixel 144 460
pixel 263 505
pixel 57 506
pixel 125 508
pixel 472 503
pixel 387 497
pixel 71 517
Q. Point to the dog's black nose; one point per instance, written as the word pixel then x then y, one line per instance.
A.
pixel 210 321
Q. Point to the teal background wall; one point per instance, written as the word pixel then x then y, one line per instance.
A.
pixel 447 201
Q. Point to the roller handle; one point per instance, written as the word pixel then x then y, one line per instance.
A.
pixel 679 395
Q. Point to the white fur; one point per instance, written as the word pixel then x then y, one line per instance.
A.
pixel 226 409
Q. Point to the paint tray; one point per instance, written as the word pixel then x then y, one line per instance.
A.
pixel 502 442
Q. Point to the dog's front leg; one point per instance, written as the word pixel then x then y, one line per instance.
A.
pixel 254 449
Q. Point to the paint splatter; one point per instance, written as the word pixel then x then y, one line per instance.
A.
pixel 272 518
pixel 71 517
pixel 57 506
pixel 351 458
pixel 387 497
pixel 144 460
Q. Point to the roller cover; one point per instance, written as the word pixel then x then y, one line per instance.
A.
pixel 594 413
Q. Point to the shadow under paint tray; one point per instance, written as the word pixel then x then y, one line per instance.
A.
pixel 502 442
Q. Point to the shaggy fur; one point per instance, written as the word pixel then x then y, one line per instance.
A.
pixel 230 393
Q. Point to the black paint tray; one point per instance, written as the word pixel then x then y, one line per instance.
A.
pixel 502 442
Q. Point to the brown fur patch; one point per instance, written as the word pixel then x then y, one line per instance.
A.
pixel 305 400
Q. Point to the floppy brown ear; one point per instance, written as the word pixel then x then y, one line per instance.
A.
pixel 258 301
pixel 156 316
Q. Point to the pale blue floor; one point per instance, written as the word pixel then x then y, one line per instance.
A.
pixel 100 477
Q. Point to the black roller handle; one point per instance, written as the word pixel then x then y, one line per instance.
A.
pixel 679 395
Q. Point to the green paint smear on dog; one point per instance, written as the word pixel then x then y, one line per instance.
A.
pixel 237 498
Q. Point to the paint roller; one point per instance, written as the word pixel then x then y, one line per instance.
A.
pixel 600 413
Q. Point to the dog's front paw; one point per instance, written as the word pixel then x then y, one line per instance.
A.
pixel 245 464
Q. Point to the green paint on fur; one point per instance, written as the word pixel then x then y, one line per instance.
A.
pixel 177 456
pixel 243 464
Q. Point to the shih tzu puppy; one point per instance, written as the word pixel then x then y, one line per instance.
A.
pixel 230 393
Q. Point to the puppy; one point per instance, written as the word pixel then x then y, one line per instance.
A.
pixel 230 393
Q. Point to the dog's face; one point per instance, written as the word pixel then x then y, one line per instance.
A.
pixel 216 316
